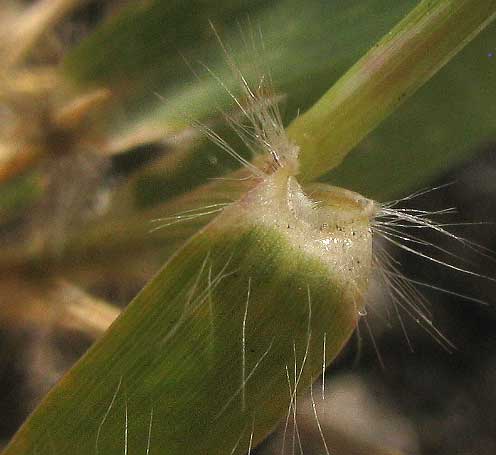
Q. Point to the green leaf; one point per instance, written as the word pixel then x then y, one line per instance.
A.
pixel 212 350
pixel 442 126
pixel 141 53
pixel 377 84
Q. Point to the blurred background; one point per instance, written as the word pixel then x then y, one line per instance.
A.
pixel 97 99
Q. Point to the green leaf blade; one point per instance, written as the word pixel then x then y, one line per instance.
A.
pixel 208 345
pixel 378 83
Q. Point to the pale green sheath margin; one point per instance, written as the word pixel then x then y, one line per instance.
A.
pixel 245 306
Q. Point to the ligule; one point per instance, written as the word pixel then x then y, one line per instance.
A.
pixel 227 333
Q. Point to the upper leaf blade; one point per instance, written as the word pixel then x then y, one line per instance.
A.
pixel 378 83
